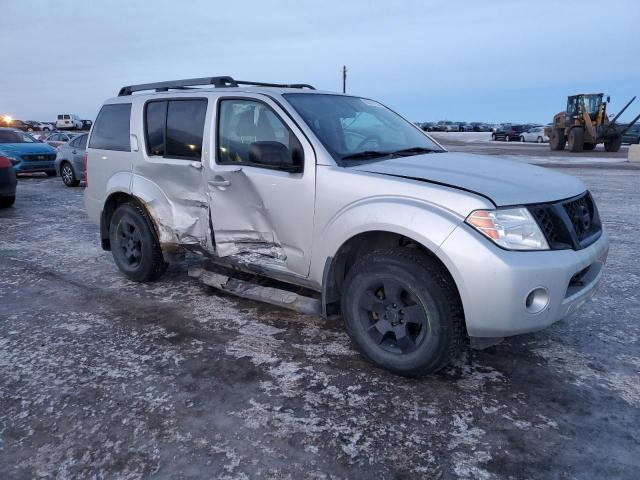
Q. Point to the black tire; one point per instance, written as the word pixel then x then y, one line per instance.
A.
pixel 134 245
pixel 589 146
pixel 613 145
pixel 506 138
pixel 6 202
pixel 67 175
pixel 493 137
pixel 539 140
pixel 403 290
pixel 50 173
pixel 522 138
pixel 557 141
pixel 575 141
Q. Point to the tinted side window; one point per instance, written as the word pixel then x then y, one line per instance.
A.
pixel 185 128
pixel 155 120
pixel 111 130
pixel 74 142
pixel 83 142
pixel 243 122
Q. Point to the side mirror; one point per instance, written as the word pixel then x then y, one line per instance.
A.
pixel 272 155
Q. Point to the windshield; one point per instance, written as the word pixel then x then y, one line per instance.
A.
pixel 353 128
pixel 11 136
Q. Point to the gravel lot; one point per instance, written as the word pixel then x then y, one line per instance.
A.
pixel 104 378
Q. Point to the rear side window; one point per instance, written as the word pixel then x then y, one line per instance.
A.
pixel 111 130
pixel 175 128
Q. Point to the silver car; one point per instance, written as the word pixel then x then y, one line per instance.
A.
pixel 70 160
pixel 59 138
pixel 416 247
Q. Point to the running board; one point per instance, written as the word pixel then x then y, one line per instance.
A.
pixel 253 291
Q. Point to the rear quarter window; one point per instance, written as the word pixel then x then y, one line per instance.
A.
pixel 112 128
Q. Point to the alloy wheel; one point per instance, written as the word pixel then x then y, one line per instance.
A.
pixel 393 316
pixel 130 242
pixel 67 174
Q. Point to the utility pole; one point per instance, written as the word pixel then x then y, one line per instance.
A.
pixel 344 79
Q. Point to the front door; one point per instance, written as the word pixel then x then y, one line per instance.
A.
pixel 261 215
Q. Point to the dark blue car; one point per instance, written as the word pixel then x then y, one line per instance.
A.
pixel 26 153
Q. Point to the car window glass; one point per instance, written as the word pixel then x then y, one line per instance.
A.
pixel 112 127
pixel 83 142
pixel 74 142
pixel 244 122
pixel 185 128
pixel 155 118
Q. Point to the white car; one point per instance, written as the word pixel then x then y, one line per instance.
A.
pixel 68 121
pixel 534 134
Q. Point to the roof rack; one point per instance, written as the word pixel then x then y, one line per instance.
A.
pixel 217 82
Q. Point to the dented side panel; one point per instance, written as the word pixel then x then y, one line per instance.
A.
pixel 173 190
pixel 264 216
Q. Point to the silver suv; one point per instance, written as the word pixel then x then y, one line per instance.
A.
pixel 417 248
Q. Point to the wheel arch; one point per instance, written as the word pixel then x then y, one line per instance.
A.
pixel 113 201
pixel 337 266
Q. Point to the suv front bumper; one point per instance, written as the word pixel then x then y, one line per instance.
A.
pixel 494 283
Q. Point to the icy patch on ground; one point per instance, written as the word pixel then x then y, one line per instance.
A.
pixel 582 368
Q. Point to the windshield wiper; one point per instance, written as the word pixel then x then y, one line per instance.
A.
pixel 413 151
pixel 366 154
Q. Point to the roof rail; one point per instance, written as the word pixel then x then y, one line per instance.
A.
pixel 217 82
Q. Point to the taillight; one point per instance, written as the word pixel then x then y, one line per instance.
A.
pixel 86 176
pixel 5 162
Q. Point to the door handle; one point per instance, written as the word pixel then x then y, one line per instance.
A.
pixel 219 181
pixel 74 152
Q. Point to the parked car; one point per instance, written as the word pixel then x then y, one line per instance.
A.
pixel 465 127
pixel 632 135
pixel 414 246
pixel 480 127
pixel 59 138
pixel 7 182
pixel 26 153
pixel 70 160
pixel 534 134
pixel 39 126
pixel 20 125
pixel 68 121
pixel 446 126
pixel 86 124
pixel 428 126
pixel 508 133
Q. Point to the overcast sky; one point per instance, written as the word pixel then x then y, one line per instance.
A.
pixel 458 60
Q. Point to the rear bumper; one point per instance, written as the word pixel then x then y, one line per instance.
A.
pixel 494 283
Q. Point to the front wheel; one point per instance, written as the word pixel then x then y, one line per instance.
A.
pixel 134 245
pixel 613 145
pixel 539 140
pixel 403 311
pixel 558 140
pixel 522 138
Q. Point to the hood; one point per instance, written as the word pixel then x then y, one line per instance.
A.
pixel 26 148
pixel 504 182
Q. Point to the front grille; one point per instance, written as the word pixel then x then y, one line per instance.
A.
pixel 39 157
pixel 572 223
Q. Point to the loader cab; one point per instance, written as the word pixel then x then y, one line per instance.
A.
pixel 592 102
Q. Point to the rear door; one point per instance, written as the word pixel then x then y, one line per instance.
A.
pixel 170 168
pixel 263 216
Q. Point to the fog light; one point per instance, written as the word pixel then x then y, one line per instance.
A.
pixel 537 300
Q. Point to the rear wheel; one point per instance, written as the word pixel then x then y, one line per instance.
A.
pixel 403 312
pixel 6 202
pixel 522 138
pixel 613 145
pixel 506 138
pixel 557 141
pixel 68 177
pixel 135 248
pixel 493 137
pixel 576 139
pixel 539 140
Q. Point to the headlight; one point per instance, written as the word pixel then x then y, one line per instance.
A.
pixel 510 228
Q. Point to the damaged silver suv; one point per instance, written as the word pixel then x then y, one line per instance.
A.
pixel 340 197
